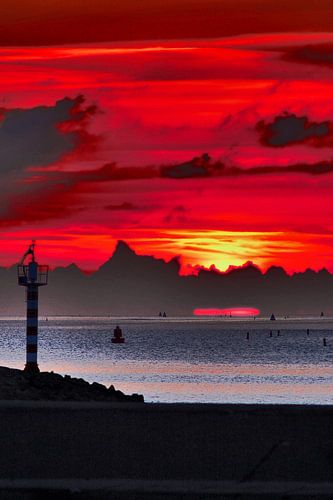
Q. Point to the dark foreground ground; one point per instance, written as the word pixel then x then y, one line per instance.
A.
pixel 141 451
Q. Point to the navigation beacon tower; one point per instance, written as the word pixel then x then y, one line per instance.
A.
pixel 32 276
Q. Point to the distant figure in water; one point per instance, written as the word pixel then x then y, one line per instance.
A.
pixel 248 335
pixel 278 333
pixel 164 315
pixel 160 314
pixel 272 318
pixel 324 342
pixel 321 314
pixel 270 333
pixel 307 331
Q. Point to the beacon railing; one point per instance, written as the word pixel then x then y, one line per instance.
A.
pixel 37 276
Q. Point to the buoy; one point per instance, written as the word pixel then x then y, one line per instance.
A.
pixel 117 336
pixel 272 318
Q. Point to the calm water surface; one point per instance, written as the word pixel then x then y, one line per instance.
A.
pixel 187 360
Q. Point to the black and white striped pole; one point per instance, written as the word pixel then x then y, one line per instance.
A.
pixel 32 276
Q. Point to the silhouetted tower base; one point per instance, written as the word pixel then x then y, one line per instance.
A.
pixel 32 276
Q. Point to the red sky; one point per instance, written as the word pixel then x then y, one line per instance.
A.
pixel 40 22
pixel 249 88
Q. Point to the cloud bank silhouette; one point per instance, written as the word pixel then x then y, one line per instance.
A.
pixel 289 129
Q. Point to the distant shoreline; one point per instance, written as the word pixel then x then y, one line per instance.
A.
pixel 196 319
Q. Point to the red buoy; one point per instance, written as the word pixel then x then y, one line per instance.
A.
pixel 117 336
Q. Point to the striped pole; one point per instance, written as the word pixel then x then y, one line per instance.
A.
pixel 32 319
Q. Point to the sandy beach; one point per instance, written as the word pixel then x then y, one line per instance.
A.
pixel 138 450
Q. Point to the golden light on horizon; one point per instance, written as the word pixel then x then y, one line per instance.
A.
pixel 224 248
pixel 206 248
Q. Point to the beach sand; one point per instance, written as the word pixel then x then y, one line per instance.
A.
pixel 140 450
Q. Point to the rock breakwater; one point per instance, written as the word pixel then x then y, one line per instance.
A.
pixel 20 385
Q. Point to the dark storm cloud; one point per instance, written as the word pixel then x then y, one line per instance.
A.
pixel 55 194
pixel 319 168
pixel 289 129
pixel 121 206
pixel 177 214
pixel 204 167
pixel 194 168
pixel 40 136
pixel 83 180
pixel 31 140
pixel 318 54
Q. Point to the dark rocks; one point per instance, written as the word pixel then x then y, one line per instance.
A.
pixel 20 385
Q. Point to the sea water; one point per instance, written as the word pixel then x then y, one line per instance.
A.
pixel 187 360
